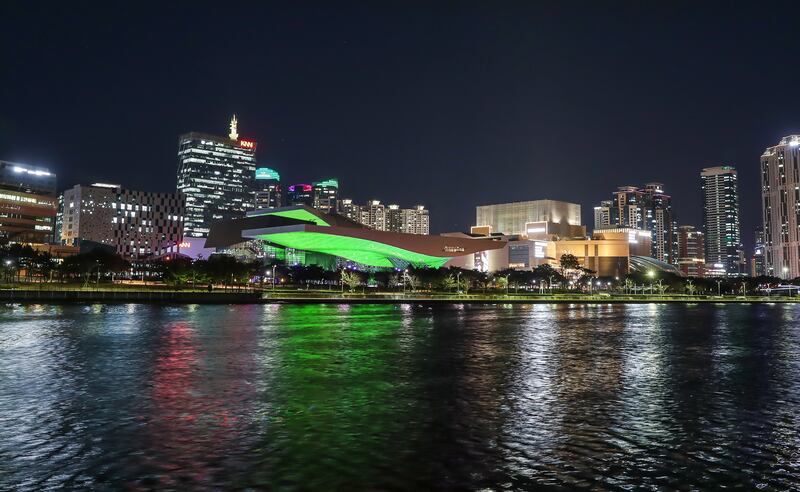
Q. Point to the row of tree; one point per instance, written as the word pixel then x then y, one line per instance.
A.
pixel 18 262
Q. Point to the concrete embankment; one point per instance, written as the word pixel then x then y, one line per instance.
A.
pixel 114 296
pixel 320 298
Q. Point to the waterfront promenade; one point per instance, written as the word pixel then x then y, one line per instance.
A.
pixel 220 295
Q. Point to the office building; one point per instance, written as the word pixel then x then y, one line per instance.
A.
pixel 28 203
pixel 217 176
pixel 326 194
pixel 721 221
pixel 691 251
pixel 268 188
pixel 300 194
pixel 647 208
pixel 538 219
pixel 136 224
pixel 780 194
pixel 758 266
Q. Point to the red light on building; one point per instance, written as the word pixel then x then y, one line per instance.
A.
pixel 247 144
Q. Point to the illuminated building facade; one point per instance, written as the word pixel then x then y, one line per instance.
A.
pixel 537 219
pixel 723 248
pixel 612 252
pixel 300 194
pixel 780 200
pixel 691 251
pixel 408 220
pixel 326 194
pixel 305 229
pixel 28 203
pixel 647 208
pixel 268 188
pixel 217 176
pixel 137 224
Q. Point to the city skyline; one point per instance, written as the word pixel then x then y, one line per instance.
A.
pixel 547 122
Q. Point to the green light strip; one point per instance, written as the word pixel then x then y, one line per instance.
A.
pixel 363 251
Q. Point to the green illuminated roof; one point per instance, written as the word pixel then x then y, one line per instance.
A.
pixel 363 251
pixel 295 213
pixel 267 173
pixel 333 182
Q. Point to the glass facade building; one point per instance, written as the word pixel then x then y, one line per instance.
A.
pixel 217 177
pixel 721 221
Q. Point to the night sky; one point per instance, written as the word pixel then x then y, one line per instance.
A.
pixel 450 104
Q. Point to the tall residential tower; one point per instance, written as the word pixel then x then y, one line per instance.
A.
pixel 780 202
pixel 721 221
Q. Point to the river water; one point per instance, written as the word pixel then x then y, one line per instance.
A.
pixel 383 397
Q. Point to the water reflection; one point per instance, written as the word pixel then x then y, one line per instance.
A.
pixel 399 397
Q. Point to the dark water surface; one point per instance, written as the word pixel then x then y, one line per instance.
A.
pixel 140 397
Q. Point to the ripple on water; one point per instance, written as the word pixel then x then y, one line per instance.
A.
pixel 399 397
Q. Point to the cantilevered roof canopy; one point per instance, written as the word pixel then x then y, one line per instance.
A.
pixel 308 229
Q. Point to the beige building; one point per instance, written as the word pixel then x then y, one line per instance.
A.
pixel 540 219
pixel 608 252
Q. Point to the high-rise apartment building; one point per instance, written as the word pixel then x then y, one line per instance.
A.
pixel 691 251
pixel 348 209
pixel 390 218
pixel 721 220
pixel 268 188
pixel 137 224
pixel 780 201
pixel 217 176
pixel 28 203
pixel 647 208
pixel 408 220
pixel 326 193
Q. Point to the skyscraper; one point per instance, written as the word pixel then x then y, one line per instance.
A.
pixel 721 220
pixel 780 193
pixel 647 208
pixel 268 188
pixel 217 176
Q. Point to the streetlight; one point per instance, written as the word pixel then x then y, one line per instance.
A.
pixel 785 272
pixel 273 276
pixel 458 283
pixel 719 287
